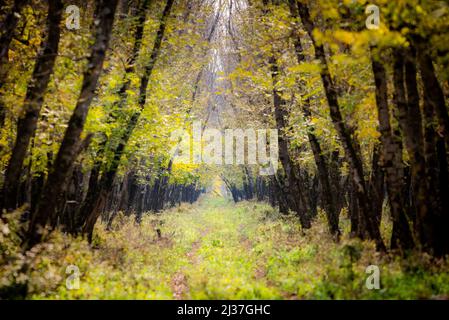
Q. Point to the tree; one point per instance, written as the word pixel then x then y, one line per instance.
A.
pixel 351 155
pixel 56 182
pixel 320 159
pixel 8 27
pixel 107 179
pixel 34 99
pixel 392 159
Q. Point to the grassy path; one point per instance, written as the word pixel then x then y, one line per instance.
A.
pixel 221 261
pixel 216 249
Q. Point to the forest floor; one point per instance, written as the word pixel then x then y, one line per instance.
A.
pixel 216 249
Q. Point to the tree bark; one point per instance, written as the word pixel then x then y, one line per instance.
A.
pixel 436 154
pixel 391 159
pixel 290 184
pixel 433 93
pixel 425 224
pixel 8 28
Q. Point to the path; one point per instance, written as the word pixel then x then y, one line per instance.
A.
pixel 229 247
pixel 215 249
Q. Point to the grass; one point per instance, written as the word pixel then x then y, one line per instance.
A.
pixel 214 249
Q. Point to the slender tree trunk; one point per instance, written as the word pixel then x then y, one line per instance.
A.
pixel 289 179
pixel 434 103
pixel 443 219
pixel 107 179
pixel 357 229
pixel 391 159
pixel 8 29
pixel 34 99
pixel 377 185
pixel 57 180
pixel 343 133
pixel 433 93
pixel 131 65
pixel 410 121
pixel 249 179
pixel 426 224
pixel 430 229
pixel 320 159
pixel 289 184
pixel 338 183
pixel 94 194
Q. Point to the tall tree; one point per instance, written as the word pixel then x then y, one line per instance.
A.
pixel 34 99
pixel 107 180
pixel 354 159
pixel 436 152
pixel 320 160
pixel 289 177
pixel 56 183
pixel 94 185
pixel 8 29
pixel 391 159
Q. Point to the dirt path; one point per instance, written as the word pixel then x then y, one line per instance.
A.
pixel 179 285
pixel 179 282
pixel 221 257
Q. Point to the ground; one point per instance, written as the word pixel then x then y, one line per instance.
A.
pixel 216 249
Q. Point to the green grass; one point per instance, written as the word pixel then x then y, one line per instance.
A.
pixel 214 249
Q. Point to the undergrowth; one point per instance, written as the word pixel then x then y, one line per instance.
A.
pixel 212 250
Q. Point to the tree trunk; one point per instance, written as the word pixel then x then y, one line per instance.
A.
pixel 437 163
pixel 89 203
pixel 289 184
pixel 433 93
pixel 108 177
pixel 348 145
pixel 377 185
pixel 8 28
pixel 57 180
pixel 34 99
pixel 357 229
pixel 329 202
pixel 391 159
pixel 425 224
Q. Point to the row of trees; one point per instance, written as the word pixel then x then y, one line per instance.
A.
pixel 111 153
pixel 361 113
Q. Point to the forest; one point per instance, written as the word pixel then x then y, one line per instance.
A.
pixel 224 149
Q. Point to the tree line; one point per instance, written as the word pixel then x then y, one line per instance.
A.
pixel 67 195
pixel 361 114
pixel 401 168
